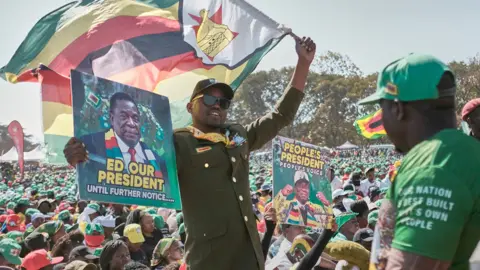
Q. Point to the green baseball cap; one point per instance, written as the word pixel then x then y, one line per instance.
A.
pixel 11 205
pixel 94 206
pixel 10 250
pixel 15 235
pixel 158 221
pixel 23 201
pixel 411 78
pixel 344 218
pixel 71 228
pixel 151 211
pixel 373 217
pixel 92 228
pixel 31 211
pixel 64 215
pixel 51 227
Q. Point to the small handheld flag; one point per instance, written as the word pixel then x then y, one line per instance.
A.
pixel 371 126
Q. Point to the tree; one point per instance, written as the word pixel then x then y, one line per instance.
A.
pixel 334 87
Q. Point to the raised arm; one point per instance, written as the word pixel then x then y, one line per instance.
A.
pixel 267 127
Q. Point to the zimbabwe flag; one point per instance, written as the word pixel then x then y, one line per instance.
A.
pixel 163 46
pixel 371 126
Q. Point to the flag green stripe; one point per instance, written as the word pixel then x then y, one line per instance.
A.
pixel 48 25
pixel 254 61
pixel 158 3
pixel 38 38
pixel 55 145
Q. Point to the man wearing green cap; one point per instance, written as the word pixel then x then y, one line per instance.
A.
pixel 430 217
pixel 9 253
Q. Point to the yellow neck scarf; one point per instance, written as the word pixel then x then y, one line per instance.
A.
pixel 212 136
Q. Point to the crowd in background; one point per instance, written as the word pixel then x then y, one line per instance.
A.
pixel 46 226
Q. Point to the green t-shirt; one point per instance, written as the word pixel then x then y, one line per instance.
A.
pixel 437 198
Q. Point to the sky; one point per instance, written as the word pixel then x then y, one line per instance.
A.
pixel 372 33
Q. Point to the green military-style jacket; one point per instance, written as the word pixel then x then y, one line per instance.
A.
pixel 218 215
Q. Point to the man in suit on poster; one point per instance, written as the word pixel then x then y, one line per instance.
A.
pixel 122 140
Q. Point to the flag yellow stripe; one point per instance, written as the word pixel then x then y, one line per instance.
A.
pixel 57 119
pixel 94 15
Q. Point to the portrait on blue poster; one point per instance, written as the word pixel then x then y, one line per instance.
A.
pixel 129 138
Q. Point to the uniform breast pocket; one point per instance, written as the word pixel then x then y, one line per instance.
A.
pixel 209 171
pixel 209 157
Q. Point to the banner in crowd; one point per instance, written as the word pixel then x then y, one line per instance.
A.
pixel 302 192
pixel 15 130
pixel 371 126
pixel 129 138
pixel 164 46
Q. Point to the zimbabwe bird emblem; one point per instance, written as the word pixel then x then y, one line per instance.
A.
pixel 211 35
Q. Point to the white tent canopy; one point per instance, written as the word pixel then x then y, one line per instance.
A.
pixel 347 145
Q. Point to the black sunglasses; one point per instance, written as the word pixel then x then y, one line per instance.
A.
pixel 211 100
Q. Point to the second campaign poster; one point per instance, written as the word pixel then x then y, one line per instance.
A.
pixel 302 193
pixel 129 138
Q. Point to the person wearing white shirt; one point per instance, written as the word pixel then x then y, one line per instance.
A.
pixel 289 232
pixel 369 181
pixel 335 181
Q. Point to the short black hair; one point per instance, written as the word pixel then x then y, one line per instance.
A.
pixel 360 207
pixel 120 96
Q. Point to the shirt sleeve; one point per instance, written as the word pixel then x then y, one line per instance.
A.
pixel 432 209
pixel 267 127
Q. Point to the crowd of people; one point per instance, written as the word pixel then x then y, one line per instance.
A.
pixel 46 226
pixel 417 211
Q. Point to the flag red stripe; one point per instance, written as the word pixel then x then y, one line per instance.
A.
pixel 112 31
pixel 376 117
pixel 55 87
pixel 294 214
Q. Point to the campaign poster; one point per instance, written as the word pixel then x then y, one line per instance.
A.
pixel 302 193
pixel 129 138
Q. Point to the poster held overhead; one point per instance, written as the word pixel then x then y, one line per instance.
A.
pixel 129 138
pixel 302 193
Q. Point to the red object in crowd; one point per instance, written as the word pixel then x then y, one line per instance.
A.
pixel 13 223
pixel 3 218
pixel 15 131
pixel 38 259
pixel 183 266
pixel 261 226
pixel 470 107
pixel 63 206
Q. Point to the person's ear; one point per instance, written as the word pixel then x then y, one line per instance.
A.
pixel 189 107
pixel 110 115
pixel 398 110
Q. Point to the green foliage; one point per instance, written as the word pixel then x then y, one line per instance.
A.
pixel 334 86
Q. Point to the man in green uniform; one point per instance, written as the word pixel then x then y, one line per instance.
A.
pixel 430 218
pixel 213 170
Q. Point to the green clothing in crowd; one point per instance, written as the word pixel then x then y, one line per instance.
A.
pixel 437 197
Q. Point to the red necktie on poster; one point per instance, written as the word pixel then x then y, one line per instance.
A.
pixel 15 131
pixel 132 153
